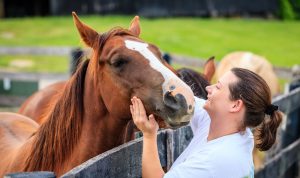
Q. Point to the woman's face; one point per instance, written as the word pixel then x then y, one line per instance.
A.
pixel 218 101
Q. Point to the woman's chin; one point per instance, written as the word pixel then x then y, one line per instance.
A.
pixel 206 105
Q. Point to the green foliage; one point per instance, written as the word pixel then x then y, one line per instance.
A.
pixel 286 10
pixel 296 7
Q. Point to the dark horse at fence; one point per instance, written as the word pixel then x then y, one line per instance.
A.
pixel 93 109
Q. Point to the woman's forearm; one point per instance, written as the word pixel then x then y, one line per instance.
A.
pixel 151 166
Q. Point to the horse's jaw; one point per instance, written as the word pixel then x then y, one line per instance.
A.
pixel 173 123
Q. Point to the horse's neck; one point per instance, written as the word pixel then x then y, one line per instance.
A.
pixel 100 130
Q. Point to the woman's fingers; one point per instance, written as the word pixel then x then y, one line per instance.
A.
pixel 145 124
pixel 142 111
pixel 135 107
pixel 131 110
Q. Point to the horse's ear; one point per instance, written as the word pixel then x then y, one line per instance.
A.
pixel 88 35
pixel 135 26
pixel 209 68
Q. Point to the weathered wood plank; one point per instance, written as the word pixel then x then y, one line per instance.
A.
pixel 289 102
pixel 50 51
pixel 277 166
pixel 11 101
pixel 41 174
pixel 182 138
pixel 177 141
pixel 122 161
pixel 27 76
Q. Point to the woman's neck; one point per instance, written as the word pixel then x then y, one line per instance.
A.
pixel 220 128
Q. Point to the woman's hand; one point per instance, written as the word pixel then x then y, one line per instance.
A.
pixel 148 126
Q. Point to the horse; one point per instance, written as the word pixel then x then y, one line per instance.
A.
pixel 92 111
pixel 253 62
pixel 36 104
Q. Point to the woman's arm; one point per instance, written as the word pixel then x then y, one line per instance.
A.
pixel 151 166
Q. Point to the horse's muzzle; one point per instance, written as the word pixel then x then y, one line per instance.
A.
pixel 176 110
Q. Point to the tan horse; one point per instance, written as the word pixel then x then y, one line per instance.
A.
pixel 92 111
pixel 253 62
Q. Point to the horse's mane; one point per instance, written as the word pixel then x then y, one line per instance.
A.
pixel 56 138
pixel 195 80
pixel 57 135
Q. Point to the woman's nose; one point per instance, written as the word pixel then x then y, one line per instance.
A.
pixel 208 88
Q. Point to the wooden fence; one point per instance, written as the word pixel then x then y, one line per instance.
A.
pixel 15 87
pixel 125 160
pixel 284 159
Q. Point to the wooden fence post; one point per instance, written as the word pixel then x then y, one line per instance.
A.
pixel 170 148
pixel 292 132
pixel 41 174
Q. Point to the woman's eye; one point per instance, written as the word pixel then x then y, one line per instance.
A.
pixel 119 63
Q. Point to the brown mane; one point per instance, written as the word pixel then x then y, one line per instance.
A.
pixel 56 138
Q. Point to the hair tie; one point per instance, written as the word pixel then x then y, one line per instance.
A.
pixel 270 109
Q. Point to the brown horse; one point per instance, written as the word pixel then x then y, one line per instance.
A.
pixel 92 111
pixel 37 104
pixel 253 62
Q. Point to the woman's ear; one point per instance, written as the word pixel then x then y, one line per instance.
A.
pixel 237 105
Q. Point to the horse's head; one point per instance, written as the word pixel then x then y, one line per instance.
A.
pixel 124 66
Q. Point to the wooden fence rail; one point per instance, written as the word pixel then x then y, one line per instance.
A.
pixel 282 161
pixel 173 142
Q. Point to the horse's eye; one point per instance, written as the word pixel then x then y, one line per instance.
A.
pixel 119 63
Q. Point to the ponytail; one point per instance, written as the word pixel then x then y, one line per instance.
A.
pixel 267 131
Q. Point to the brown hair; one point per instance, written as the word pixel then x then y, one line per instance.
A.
pixel 256 95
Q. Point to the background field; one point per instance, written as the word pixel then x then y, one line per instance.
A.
pixel 278 41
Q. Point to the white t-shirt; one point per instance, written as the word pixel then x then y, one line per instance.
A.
pixel 229 156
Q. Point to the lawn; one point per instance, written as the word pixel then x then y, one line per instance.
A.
pixel 278 41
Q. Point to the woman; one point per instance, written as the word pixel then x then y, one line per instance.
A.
pixel 222 144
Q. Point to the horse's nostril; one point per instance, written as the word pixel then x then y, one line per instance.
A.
pixel 190 106
pixel 170 101
pixel 176 102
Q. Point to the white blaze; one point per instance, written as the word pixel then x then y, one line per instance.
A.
pixel 155 63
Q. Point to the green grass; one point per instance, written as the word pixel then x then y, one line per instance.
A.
pixel 278 41
pixel 34 63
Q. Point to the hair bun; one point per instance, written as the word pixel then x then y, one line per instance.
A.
pixel 271 109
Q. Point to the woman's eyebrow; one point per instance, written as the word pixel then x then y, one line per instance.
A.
pixel 219 83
